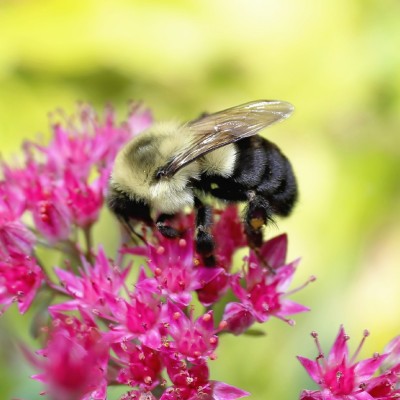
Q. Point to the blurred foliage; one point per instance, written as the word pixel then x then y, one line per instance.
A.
pixel 337 61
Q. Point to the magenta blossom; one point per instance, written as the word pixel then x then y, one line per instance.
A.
pixel 15 238
pixel 139 317
pixel 85 200
pixel 76 358
pixel 12 197
pixel 341 377
pixel 138 395
pixel 20 279
pixel 63 184
pixel 141 365
pixel 173 265
pixel 266 288
pixel 392 362
pixel 215 288
pixel 81 143
pixel 89 289
pixel 191 382
pixel 51 214
pixel 229 234
pixel 196 340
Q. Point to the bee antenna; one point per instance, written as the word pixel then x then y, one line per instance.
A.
pixel 133 234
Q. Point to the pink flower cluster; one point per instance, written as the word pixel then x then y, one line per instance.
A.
pixel 341 377
pixel 58 189
pixel 111 323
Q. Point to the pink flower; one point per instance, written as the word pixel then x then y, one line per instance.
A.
pixel 75 362
pixel 79 145
pixel 90 288
pixel 172 263
pixel 139 119
pixel 44 197
pixel 341 377
pixel 393 359
pixel 229 234
pixel 192 383
pixel 57 180
pixel 85 200
pixel 138 395
pixel 265 292
pixel 12 197
pixel 51 215
pixel 196 340
pixel 20 278
pixel 215 288
pixel 15 238
pixel 185 375
pixel 142 365
pixel 140 317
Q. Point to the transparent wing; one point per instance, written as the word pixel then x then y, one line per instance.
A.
pixel 224 127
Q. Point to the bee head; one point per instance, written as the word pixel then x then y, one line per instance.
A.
pixel 139 170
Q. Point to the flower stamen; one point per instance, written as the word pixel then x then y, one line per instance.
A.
pixel 311 279
pixel 355 355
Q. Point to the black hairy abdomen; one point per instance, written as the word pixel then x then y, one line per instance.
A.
pixel 260 170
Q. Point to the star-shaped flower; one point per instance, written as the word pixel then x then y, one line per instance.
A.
pixel 341 377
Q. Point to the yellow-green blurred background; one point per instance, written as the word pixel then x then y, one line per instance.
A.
pixel 337 61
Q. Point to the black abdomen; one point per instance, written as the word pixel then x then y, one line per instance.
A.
pixel 260 169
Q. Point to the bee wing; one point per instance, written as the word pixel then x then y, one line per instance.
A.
pixel 224 127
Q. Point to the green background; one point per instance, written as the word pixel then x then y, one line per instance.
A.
pixel 337 61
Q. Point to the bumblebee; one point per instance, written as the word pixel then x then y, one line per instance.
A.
pixel 172 166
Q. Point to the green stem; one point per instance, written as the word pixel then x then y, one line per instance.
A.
pixel 89 243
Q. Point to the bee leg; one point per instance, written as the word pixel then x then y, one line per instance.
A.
pixel 257 214
pixel 205 244
pixel 166 230
pixel 255 217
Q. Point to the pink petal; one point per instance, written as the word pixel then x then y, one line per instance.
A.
pixel 137 251
pixel 393 346
pixel 139 120
pixel 274 250
pixel 205 275
pixel 366 368
pixel 182 299
pixel 223 391
pixel 311 395
pixel 117 336
pixel 238 317
pixel 339 350
pixel 237 289
pixel 71 305
pixel 364 396
pixel 70 281
pixel 289 307
pixel 206 322
pixel 151 339
pixel 179 322
pixel 285 275
pixel 311 367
